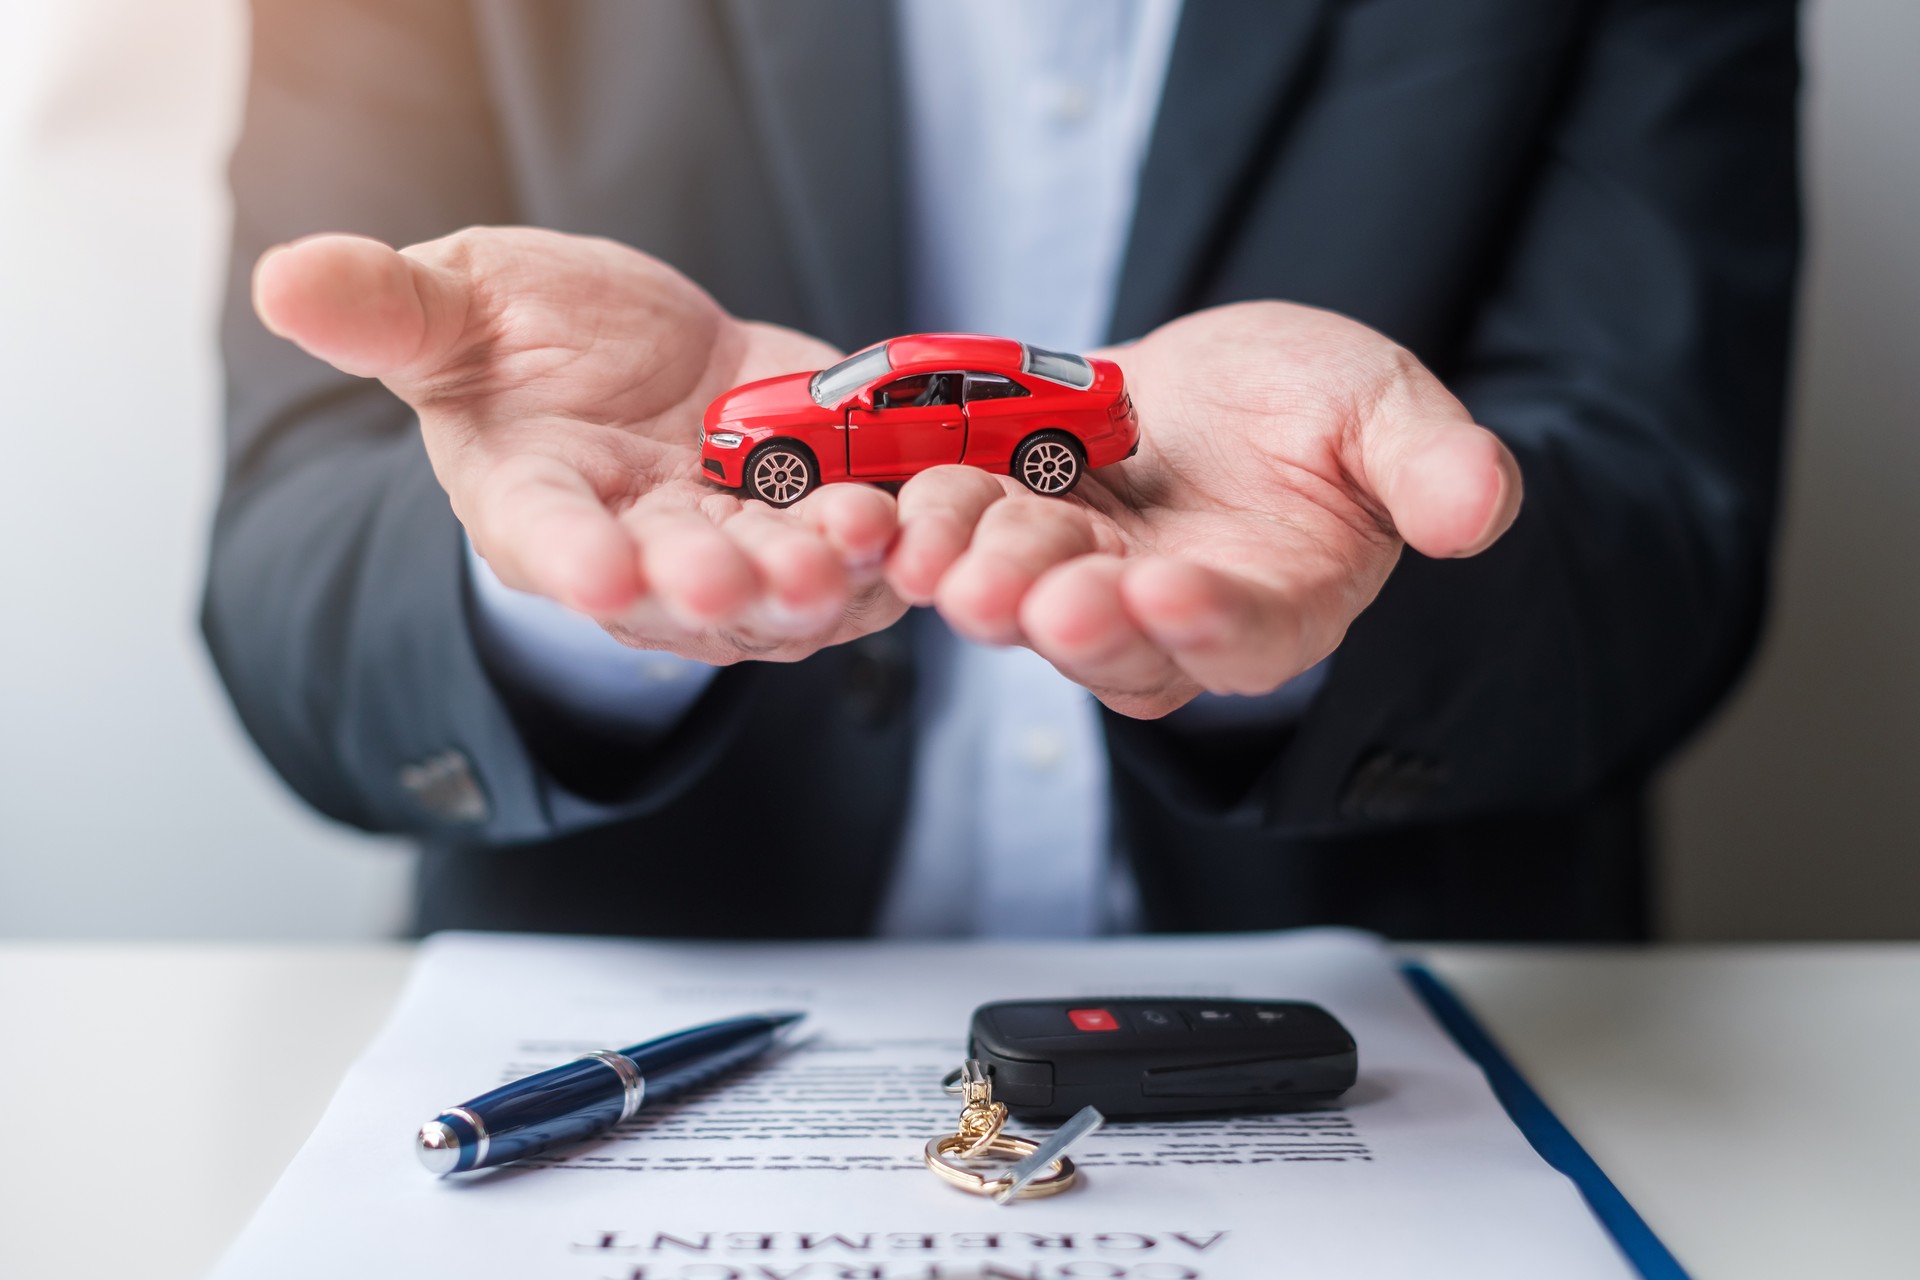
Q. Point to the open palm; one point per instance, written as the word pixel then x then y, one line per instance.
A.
pixel 559 383
pixel 1287 456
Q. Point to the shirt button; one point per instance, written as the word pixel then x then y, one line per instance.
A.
pixel 1042 748
pixel 1071 104
pixel 663 670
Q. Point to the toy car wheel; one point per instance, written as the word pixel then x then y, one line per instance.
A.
pixel 1049 463
pixel 780 474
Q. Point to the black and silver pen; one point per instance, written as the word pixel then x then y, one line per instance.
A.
pixel 589 1095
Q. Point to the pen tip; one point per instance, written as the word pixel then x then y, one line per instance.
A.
pixel 785 1018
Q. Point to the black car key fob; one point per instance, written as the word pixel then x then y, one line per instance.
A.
pixel 1135 1057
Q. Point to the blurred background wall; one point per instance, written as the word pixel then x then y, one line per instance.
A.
pixel 1794 814
pixel 131 805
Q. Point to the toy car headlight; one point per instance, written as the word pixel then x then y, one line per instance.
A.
pixel 725 439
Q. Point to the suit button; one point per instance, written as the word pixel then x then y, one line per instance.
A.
pixel 1388 786
pixel 444 785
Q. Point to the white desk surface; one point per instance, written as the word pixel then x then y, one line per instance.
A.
pixel 1758 1105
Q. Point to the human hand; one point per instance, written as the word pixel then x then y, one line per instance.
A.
pixel 1287 454
pixel 559 382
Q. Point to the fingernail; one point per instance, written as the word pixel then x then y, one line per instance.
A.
pixel 781 614
pixel 1504 496
pixel 689 619
pixel 259 269
pixel 801 621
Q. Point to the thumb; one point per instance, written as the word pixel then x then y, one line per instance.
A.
pixel 362 307
pixel 1450 487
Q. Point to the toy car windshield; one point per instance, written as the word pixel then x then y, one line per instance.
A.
pixel 832 385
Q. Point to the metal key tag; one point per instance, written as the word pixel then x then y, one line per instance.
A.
pixel 1039 1168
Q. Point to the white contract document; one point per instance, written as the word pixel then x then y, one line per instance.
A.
pixel 807 1164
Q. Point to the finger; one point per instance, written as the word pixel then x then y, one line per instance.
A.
pixel 1075 619
pixel 858 522
pixel 1450 487
pixel 803 582
pixel 938 510
pixel 543 529
pixel 1230 633
pixel 361 306
pixel 697 573
pixel 1015 541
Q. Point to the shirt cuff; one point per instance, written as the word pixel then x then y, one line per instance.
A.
pixel 570 664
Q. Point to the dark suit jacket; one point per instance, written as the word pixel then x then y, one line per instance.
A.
pixel 1580 213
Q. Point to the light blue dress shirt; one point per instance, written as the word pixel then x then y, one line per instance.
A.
pixel 1026 126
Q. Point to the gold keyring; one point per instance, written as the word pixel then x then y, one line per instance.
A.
pixel 1060 1175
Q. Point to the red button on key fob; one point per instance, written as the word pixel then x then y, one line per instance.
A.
pixel 1093 1020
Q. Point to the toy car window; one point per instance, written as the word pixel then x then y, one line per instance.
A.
pixel 832 385
pixel 919 391
pixel 1057 366
pixel 992 386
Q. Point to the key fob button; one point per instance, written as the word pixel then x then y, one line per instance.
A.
pixel 1211 1018
pixel 1153 1019
pixel 1093 1020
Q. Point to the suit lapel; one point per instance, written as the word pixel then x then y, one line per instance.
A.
pixel 821 86
pixel 1229 87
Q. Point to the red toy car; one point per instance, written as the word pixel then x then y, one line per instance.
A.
pixel 902 406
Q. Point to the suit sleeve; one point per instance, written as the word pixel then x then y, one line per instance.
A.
pixel 336 606
pixel 1632 351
